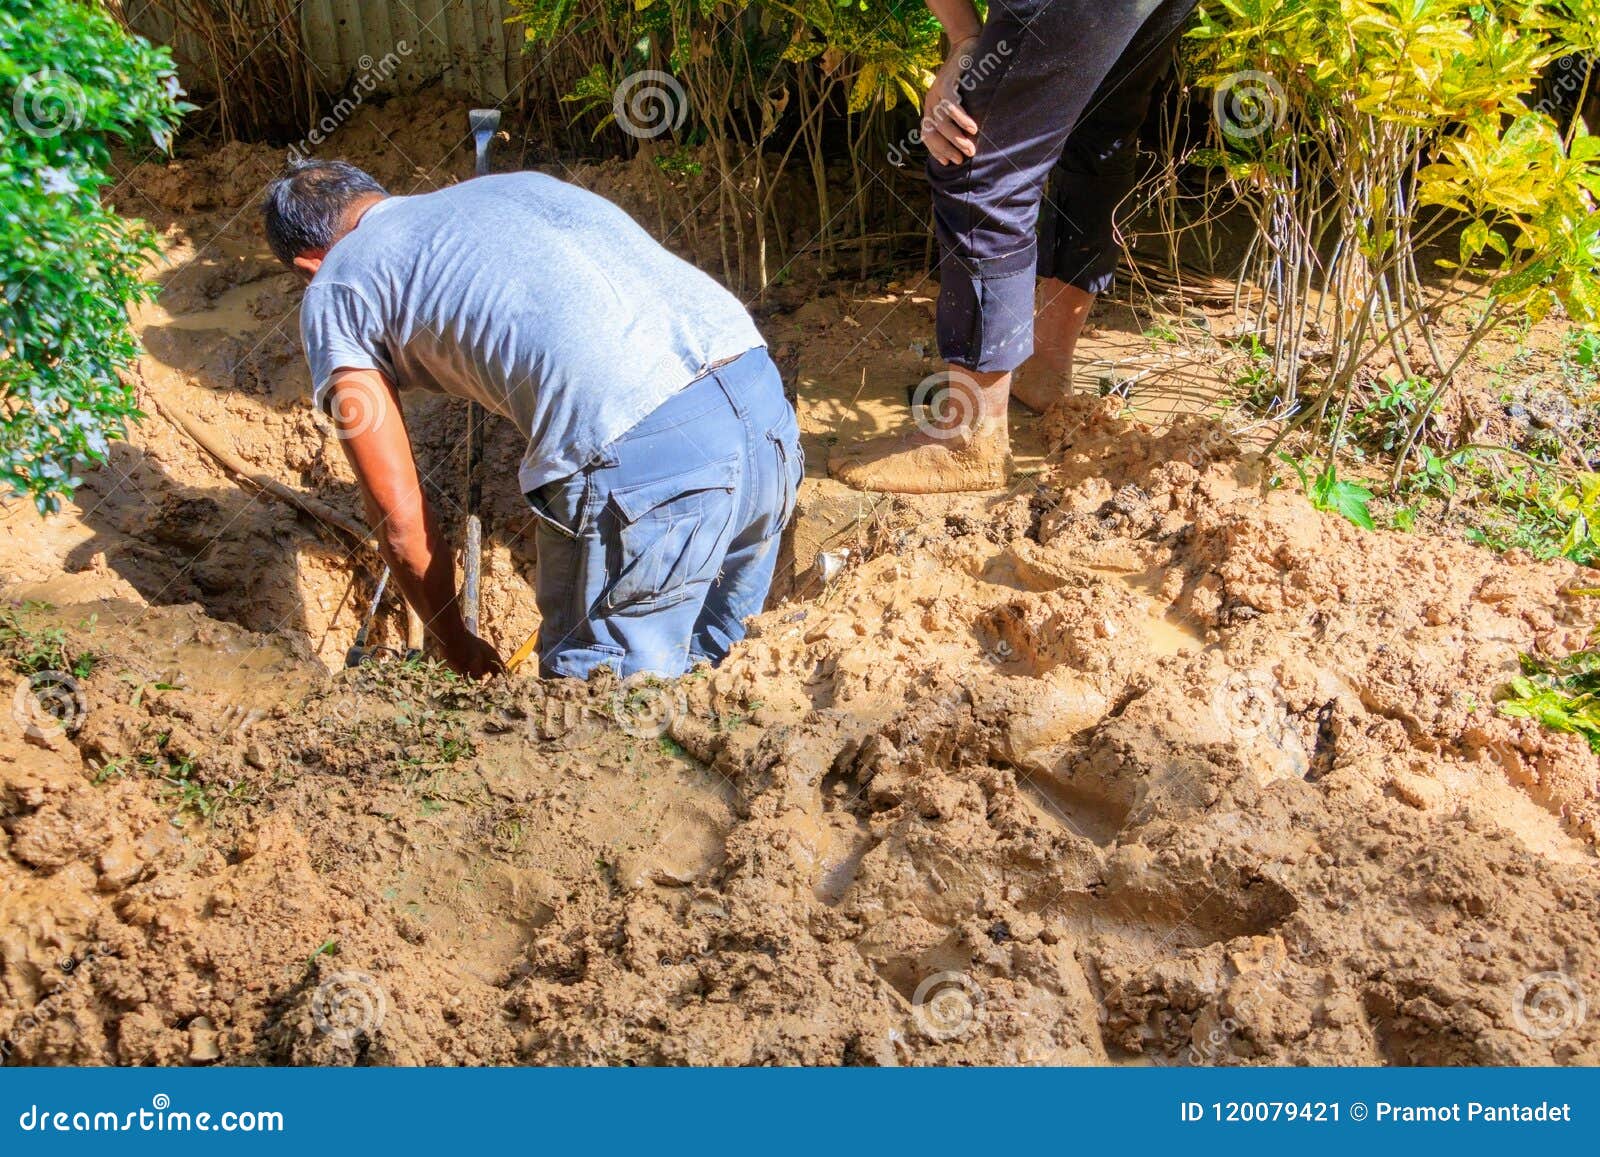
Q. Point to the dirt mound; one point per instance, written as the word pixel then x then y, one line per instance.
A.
pixel 1135 763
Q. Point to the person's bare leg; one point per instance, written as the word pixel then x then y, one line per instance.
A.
pixel 1057 324
pixel 960 444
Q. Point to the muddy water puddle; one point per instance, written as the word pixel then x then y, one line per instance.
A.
pixel 178 647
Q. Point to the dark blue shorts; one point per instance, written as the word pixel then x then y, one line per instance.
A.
pixel 1059 89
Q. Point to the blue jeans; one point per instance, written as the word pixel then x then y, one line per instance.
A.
pixel 653 555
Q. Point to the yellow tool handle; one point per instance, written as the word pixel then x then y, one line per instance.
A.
pixel 522 653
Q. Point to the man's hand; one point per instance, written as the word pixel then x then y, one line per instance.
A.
pixel 472 657
pixel 948 132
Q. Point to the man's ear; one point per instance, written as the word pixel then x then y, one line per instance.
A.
pixel 309 262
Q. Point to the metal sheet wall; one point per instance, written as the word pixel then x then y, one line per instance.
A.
pixel 464 44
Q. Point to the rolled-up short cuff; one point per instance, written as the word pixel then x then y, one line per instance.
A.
pixel 1094 284
pixel 986 311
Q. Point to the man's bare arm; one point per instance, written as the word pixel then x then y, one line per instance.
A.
pixel 365 407
pixel 959 18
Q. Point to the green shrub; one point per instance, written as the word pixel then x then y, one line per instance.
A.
pixel 842 78
pixel 70 79
pixel 1363 134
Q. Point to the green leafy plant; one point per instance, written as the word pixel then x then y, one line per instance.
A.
pixel 1436 476
pixel 1580 362
pixel 1364 135
pixel 1534 510
pixel 1562 694
pixel 1328 492
pixel 70 79
pixel 31 649
pixel 724 76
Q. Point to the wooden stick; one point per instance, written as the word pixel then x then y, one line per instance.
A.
pixel 231 462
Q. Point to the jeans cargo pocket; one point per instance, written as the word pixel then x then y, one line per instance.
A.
pixel 559 506
pixel 665 537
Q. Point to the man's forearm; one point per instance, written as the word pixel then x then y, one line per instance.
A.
pixel 422 564
pixel 366 409
pixel 959 18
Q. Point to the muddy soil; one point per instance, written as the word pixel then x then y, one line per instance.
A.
pixel 1133 763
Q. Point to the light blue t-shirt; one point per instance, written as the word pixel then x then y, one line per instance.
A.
pixel 537 299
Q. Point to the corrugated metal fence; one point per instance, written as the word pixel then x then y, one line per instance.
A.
pixel 400 45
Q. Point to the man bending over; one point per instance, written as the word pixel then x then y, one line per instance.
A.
pixel 662 460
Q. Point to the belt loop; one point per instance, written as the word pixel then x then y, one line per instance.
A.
pixel 729 392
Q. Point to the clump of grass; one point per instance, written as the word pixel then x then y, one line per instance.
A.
pixel 1536 511
pixel 194 797
pixel 30 648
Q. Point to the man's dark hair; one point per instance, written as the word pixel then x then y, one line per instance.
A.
pixel 305 207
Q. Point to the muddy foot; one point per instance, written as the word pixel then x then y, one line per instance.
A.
pixel 923 464
pixel 1038 386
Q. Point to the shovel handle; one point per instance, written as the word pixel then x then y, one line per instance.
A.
pixel 471 564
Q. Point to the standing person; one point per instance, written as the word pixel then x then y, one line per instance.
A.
pixel 662 458
pixel 1038 85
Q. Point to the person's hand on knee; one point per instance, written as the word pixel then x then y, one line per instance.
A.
pixel 948 131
